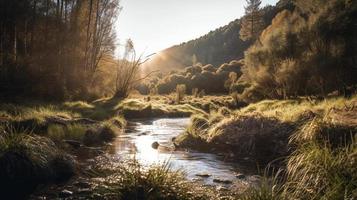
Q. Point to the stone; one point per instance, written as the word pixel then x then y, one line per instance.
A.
pixel 196 179
pixel 240 176
pixel 203 175
pixel 222 188
pixel 155 145
pixel 65 193
pixel 224 181
pixel 144 133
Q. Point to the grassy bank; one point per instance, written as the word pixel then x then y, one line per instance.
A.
pixel 314 140
pixel 37 141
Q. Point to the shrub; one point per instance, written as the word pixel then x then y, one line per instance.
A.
pixel 305 52
pixel 209 68
pixel 201 94
pixel 195 92
pixel 180 93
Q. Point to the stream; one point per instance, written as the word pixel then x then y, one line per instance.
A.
pixel 206 169
pixel 202 167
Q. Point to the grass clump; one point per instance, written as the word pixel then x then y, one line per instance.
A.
pixel 294 110
pixel 323 162
pixel 29 160
pixel 180 93
pixel 70 132
pixel 132 180
pixel 139 108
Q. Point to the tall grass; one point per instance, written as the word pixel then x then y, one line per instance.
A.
pixel 322 166
pixel 71 132
pixel 29 160
pixel 133 181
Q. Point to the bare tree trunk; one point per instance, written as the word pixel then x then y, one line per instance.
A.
pixel 86 57
pixel 15 44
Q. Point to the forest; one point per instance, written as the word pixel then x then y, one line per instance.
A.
pixel 262 108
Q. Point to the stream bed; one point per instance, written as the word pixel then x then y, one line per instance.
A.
pixel 208 168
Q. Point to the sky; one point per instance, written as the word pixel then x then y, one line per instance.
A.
pixel 154 25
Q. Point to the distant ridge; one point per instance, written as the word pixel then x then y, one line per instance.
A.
pixel 216 47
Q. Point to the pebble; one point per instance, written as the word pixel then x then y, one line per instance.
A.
pixel 240 176
pixel 224 181
pixel 196 179
pixel 222 188
pixel 155 145
pixel 143 133
pixel 204 175
pixel 65 193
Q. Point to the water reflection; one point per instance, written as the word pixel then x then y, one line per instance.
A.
pixel 138 143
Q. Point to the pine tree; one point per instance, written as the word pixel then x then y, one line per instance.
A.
pixel 252 23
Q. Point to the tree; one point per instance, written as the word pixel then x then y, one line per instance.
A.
pixel 128 71
pixel 54 48
pixel 252 23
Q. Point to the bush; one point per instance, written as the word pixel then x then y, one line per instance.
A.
pixel 195 92
pixel 180 93
pixel 310 51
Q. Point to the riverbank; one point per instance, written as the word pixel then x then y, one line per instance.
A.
pixel 312 142
pixel 42 145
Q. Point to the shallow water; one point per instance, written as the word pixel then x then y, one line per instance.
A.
pixel 138 143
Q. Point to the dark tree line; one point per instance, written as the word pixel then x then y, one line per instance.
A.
pixel 54 48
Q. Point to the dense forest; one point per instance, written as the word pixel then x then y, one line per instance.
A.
pixel 54 49
pixel 263 108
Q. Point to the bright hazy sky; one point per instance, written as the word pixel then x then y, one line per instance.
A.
pixel 154 25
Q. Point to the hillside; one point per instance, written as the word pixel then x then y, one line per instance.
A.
pixel 219 46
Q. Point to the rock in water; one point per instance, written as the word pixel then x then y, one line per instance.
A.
pixel 203 175
pixel 240 176
pixel 224 181
pixel 155 145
